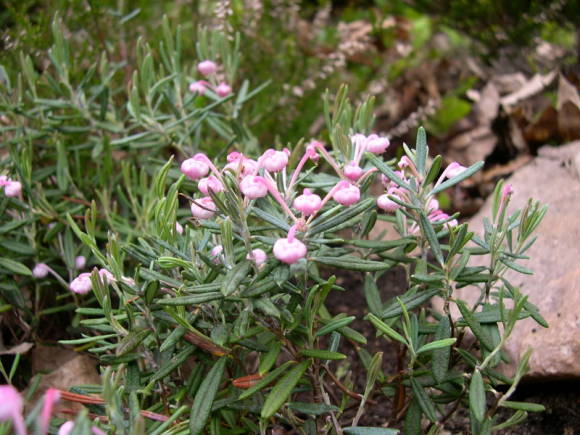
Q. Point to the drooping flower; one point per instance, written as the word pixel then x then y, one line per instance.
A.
pixel 210 183
pixel 274 161
pixel 11 405
pixel 308 203
pixel 195 167
pixel 454 169
pixel 289 249
pixel 81 284
pixel 258 256
pixel 386 203
pixel 376 144
pixel 254 186
pixel 346 193
pixel 198 87
pixel 216 254
pixel 207 67
pixel 223 90
pixel 40 270
pixel 352 171
pixel 13 189
pixel 203 208
pixel 80 262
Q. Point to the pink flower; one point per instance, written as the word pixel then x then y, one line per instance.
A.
pixel 274 161
pixel 4 180
pixel 203 208
pixel 433 205
pixel 198 87
pixel 376 144
pixel 454 169
pixel 308 203
pixel 210 183
pixel 258 256
pixel 11 405
pixel 207 67
pixel 289 251
pixel 311 150
pixel 178 228
pixel 506 192
pixel 106 276
pixel 66 428
pixel 352 171
pixel 13 189
pixel 40 270
pixel 216 254
pixel 195 167
pixel 80 262
pixel 223 90
pixel 346 193
pixel 51 397
pixel 81 284
pixel 386 203
pixel 254 186
pixel 404 162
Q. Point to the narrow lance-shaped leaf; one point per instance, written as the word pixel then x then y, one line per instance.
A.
pixel 477 396
pixel 205 396
pixel 453 181
pixel 283 390
pixel 440 358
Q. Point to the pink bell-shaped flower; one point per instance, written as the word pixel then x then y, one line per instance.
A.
pixel 178 228
pixel 254 186
pixel 203 208
pixel 376 144
pixel 258 256
pixel 454 169
pixel 13 189
pixel 81 284
pixel 387 204
pixel 346 193
pixel 207 67
pixel 352 171
pixel 289 251
pixel 223 90
pixel 308 203
pixel 198 87
pixel 66 428
pixel 210 183
pixel 11 405
pixel 216 254
pixel 40 270
pixel 274 161
pixel 195 167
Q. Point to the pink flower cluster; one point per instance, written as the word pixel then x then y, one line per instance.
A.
pixel 209 69
pixel 82 284
pixel 262 177
pixel 12 189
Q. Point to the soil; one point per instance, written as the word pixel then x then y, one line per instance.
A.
pixel 560 398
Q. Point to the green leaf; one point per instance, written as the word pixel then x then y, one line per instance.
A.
pixel 205 396
pixel 433 170
pixel 517 267
pixel 323 354
pixel 350 262
pixel 517 418
pixel 440 358
pixel 474 325
pixel 282 390
pixel 131 341
pixel 421 150
pixel 195 299
pixel 266 380
pixel 383 327
pixel 372 295
pixel 234 277
pixel 15 266
pixel 477 396
pixel 431 238
pixel 453 181
pixel 439 344
pixel 411 301
pixel 424 400
pixel 269 359
pixel 312 408
pixel 386 169
pixel 323 223
pixel 524 406
pixel 334 324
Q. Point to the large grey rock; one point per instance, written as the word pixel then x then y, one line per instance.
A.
pixel 552 178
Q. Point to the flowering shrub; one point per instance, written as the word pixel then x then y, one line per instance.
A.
pixel 224 324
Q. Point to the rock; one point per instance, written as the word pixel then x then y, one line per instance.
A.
pixel 551 178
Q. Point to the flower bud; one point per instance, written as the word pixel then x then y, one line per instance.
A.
pixel 207 67
pixel 274 161
pixel 198 87
pixel 376 144
pixel 195 167
pixel 258 256
pixel 66 428
pixel 178 228
pixel 223 90
pixel 13 189
pixel 308 203
pixel 205 210
pixel 404 162
pixel 80 262
pixel 346 193
pixel 352 171
pixel 216 254
pixel 40 270
pixel 254 186
pixel 433 205
pixel 81 284
pixel 387 204
pixel 289 252
pixel 210 183
pixel 454 169
pixel 106 276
